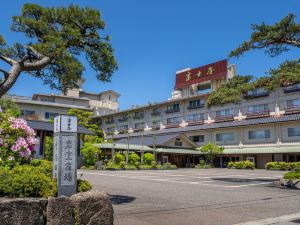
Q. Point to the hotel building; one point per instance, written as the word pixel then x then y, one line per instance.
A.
pixel 263 127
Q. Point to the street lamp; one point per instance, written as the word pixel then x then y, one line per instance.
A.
pixel 130 131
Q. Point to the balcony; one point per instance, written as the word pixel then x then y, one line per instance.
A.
pixel 256 95
pixel 172 110
pixel 110 121
pixel 138 117
pixel 136 130
pixel 292 109
pixel 227 118
pixel 172 124
pixel 155 114
pixel 195 122
pixel 124 119
pixel 292 88
pixel 191 107
pixel 258 114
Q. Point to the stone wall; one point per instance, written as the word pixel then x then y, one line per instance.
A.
pixel 86 208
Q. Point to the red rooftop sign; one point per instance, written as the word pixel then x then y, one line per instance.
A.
pixel 204 73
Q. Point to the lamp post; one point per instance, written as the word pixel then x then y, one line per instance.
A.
pixel 142 146
pixel 127 150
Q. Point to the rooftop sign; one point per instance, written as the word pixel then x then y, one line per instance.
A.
pixel 204 73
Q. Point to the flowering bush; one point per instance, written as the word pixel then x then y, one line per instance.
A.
pixel 17 140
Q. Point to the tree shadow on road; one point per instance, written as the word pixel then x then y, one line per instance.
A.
pixel 121 199
pixel 242 180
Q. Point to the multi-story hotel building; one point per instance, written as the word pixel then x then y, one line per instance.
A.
pixel 46 106
pixel 263 127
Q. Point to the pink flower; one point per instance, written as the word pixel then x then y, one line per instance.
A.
pixel 20 143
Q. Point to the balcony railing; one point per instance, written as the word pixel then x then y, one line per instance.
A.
pixel 155 114
pixel 190 107
pixel 292 109
pixel 171 110
pixel 109 121
pixel 257 95
pixel 123 119
pixel 138 117
pixel 224 118
pixel 195 122
pixel 292 88
pixel 258 114
pixel 172 124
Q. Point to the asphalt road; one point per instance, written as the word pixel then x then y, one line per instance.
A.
pixel 193 196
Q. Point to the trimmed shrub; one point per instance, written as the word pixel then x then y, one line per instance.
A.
pixel 26 181
pixel 119 158
pixel 134 159
pixel 241 165
pixel 286 166
pixel 83 185
pixel 148 158
pixel 292 175
pixel 168 166
pixel 203 165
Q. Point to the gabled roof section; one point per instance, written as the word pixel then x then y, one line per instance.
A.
pixel 157 140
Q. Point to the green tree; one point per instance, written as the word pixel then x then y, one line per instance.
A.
pixel 9 107
pixel 56 38
pixel 211 151
pixel 85 119
pixel 90 154
pixel 148 158
pixel 276 39
pixel 134 159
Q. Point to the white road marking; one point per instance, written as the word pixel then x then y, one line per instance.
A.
pixel 273 220
pixel 153 178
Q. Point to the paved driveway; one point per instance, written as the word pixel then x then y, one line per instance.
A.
pixel 192 196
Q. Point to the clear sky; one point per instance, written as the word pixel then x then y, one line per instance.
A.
pixel 153 39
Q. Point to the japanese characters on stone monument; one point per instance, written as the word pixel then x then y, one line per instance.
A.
pixel 65 154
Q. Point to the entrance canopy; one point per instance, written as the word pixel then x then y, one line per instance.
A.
pixel 180 151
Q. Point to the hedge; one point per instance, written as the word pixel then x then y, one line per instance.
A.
pixel 286 166
pixel 241 165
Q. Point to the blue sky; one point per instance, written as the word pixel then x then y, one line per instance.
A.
pixel 153 39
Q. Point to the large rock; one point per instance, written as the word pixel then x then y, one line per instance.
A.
pixel 60 211
pixel 93 208
pixel 284 183
pixel 23 211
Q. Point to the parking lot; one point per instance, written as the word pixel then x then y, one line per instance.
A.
pixel 192 196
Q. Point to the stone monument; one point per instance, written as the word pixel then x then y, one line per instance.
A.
pixel 65 154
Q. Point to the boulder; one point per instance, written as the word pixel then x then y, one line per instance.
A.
pixel 60 211
pixel 21 211
pixel 92 208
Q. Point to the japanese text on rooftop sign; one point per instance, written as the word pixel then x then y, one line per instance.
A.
pixel 208 72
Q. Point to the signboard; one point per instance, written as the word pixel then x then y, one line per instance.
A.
pixel 211 71
pixel 65 123
pixel 65 154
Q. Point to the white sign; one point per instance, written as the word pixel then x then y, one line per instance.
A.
pixel 65 123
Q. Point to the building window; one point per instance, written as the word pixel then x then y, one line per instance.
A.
pixel 258 108
pixel 123 128
pixel 110 129
pixel 50 115
pixel 139 125
pixel 172 108
pixel 27 113
pixel 224 113
pixel 195 104
pixel 174 120
pixel 138 115
pixel 294 132
pixel 225 137
pixel 197 138
pixel 295 103
pixel 110 120
pixel 195 117
pixel 178 142
pixel 259 134
pixel 156 123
